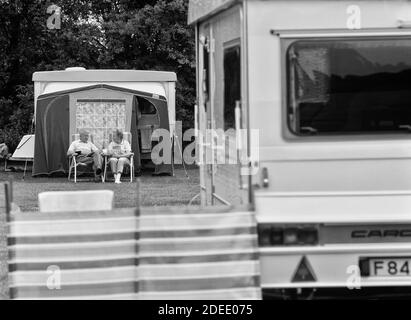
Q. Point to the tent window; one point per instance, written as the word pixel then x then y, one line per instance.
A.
pixel 232 84
pixel 100 118
pixel 146 107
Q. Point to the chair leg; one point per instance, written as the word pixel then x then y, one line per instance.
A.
pixel 5 164
pixel 69 173
pixel 131 172
pixel 75 174
pixel 25 169
pixel 105 169
pixel 131 169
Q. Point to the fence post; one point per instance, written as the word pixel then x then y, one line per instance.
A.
pixel 7 199
pixel 4 243
pixel 8 192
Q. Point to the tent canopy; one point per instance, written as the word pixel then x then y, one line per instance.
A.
pixel 100 109
pixel 161 83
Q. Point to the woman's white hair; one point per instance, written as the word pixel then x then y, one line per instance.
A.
pixel 118 133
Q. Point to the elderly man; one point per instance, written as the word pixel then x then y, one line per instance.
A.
pixel 86 153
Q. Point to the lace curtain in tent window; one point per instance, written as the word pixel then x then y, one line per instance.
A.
pixel 100 118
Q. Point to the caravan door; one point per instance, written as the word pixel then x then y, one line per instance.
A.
pixel 220 91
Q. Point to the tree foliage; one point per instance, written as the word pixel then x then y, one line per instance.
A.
pixel 96 34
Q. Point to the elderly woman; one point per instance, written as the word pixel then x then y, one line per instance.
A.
pixel 119 151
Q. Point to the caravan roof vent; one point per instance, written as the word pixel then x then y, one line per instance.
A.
pixel 75 69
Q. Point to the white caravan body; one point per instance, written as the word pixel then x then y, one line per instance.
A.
pixel 326 84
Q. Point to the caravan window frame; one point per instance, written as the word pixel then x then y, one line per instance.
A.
pixel 227 46
pixel 286 43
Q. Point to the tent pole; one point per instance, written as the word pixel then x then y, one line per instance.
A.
pixel 25 169
pixel 182 156
pixel 30 132
pixel 172 155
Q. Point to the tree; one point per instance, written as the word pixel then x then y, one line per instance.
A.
pixel 96 34
pixel 155 37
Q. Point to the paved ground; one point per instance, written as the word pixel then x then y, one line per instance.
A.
pixel 149 191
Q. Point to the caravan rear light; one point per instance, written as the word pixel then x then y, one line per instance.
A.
pixel 277 236
pixel 291 236
pixel 264 235
pixel 308 236
pixel 274 235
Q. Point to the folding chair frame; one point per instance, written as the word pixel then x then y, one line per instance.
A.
pixel 131 158
pixel 106 163
pixel 73 164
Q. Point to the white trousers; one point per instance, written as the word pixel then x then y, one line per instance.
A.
pixel 117 164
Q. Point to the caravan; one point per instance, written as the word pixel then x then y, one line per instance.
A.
pixel 327 85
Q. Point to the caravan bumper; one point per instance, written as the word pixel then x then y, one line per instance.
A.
pixel 332 266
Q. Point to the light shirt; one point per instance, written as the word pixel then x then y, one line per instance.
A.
pixel 84 147
pixel 119 149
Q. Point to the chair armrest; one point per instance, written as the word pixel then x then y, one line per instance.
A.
pixel 108 156
pixel 126 156
pixel 73 157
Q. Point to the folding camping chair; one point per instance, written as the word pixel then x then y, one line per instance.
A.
pixel 73 162
pixel 126 136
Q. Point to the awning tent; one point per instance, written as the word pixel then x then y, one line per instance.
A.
pixel 100 109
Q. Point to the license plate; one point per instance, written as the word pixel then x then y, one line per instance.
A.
pixel 390 267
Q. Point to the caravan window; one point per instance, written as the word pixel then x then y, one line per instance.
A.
pixel 349 86
pixel 232 84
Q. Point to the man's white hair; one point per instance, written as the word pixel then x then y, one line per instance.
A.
pixel 84 132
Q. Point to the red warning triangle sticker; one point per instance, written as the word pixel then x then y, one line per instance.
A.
pixel 304 272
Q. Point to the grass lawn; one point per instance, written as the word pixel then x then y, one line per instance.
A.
pixel 154 191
